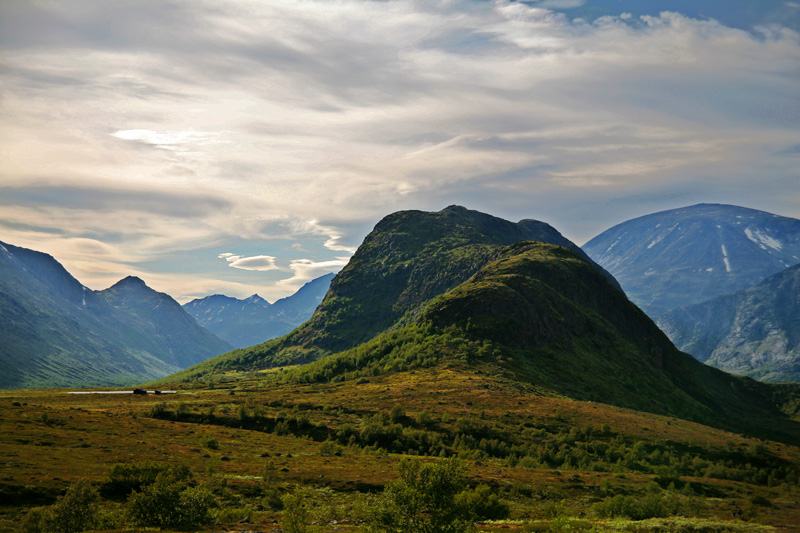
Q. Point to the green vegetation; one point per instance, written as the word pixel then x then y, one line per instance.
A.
pixel 410 258
pixel 171 501
pixel 426 498
pixel 78 510
pixel 331 453
pixel 496 394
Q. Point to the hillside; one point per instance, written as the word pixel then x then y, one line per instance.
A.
pixel 537 311
pixel 408 259
pixel 56 332
pixel 170 330
pixel 250 321
pixel 684 256
pixel 549 320
pixel 754 331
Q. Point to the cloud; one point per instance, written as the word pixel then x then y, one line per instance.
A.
pixel 258 263
pixel 172 140
pixel 305 270
pixel 179 204
pixel 158 128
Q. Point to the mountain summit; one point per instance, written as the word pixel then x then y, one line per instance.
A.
pixel 684 256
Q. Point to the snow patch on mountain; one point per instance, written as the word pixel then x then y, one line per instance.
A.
pixel 725 259
pixel 762 240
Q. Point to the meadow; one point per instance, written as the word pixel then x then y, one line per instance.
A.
pixel 262 448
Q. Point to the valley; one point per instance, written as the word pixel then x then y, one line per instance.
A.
pixel 555 462
pixel 491 357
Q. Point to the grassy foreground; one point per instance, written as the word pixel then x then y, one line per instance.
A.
pixel 555 463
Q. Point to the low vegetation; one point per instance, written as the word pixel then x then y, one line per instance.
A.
pixel 368 454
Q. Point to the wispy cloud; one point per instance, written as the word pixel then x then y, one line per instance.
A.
pixel 257 263
pixel 305 270
pixel 171 140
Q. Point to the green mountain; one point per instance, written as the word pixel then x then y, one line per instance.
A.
pixel 54 332
pixel 539 313
pixel 754 332
pixel 542 314
pixel 408 259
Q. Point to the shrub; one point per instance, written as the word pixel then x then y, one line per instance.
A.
pixel 122 479
pixel 397 414
pixel 295 514
pixel 170 501
pixel 77 510
pixel 424 499
pixel 159 410
pixel 650 506
pixel 330 448
pixel 482 504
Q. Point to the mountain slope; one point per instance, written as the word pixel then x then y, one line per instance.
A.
pixel 684 256
pixel 177 337
pixel 545 316
pixel 753 331
pixel 253 320
pixel 409 258
pixel 54 332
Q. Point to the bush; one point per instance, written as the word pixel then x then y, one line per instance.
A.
pixel 77 510
pixel 159 410
pixel 424 499
pixel 171 501
pixel 295 514
pixel 482 504
pixel 122 479
pixel 650 506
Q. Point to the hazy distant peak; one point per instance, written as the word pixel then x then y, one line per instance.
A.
pixel 256 299
pixel 130 281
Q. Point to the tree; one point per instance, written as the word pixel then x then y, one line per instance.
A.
pixel 424 499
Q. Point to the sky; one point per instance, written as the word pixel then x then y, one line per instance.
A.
pixel 248 146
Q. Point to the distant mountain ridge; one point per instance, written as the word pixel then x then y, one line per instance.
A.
pixel 684 256
pixel 55 332
pixel 754 331
pixel 253 320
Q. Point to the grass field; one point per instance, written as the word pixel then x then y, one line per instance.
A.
pixel 554 461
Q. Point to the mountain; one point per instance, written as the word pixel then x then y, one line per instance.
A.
pixel 537 313
pixel 54 332
pixel 684 256
pixel 254 320
pixel 754 331
pixel 179 339
pixel 409 258
pixel 544 315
